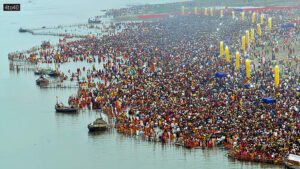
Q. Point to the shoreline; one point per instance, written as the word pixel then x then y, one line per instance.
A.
pixel 87 54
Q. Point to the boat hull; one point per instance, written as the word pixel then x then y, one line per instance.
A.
pixel 69 110
pixel 42 82
pixel 93 128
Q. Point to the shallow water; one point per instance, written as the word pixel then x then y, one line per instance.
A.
pixel 34 136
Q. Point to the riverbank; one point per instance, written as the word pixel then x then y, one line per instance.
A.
pixel 190 5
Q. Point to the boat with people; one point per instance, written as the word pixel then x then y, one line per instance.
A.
pixel 98 125
pixel 52 73
pixel 42 81
pixel 65 109
pixel 248 157
pixel 49 72
pixel 94 21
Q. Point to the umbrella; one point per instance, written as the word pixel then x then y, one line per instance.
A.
pixel 268 100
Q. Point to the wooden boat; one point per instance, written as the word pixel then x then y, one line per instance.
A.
pixel 39 71
pixel 289 165
pixel 255 159
pixel 42 81
pixel 64 109
pixel 22 30
pixel 95 21
pixel 98 125
pixel 48 72
pixel 52 73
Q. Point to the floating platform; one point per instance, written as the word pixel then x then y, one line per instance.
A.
pixel 288 165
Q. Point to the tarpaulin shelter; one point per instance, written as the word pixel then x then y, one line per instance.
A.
pixel 287 26
pixel 268 100
pixel 247 86
pixel 221 74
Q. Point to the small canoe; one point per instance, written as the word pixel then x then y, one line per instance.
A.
pixel 64 109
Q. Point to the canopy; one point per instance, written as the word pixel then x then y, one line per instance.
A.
pixel 268 100
pixel 221 74
pixel 287 26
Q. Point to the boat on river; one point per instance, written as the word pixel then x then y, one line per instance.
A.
pixel 49 72
pixel 22 30
pixel 42 81
pixel 94 21
pixel 254 159
pixel 52 73
pixel 65 109
pixel 98 125
pixel 39 71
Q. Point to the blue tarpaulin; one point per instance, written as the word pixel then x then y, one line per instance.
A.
pixel 220 74
pixel 268 100
pixel 287 26
pixel 223 18
pixel 247 86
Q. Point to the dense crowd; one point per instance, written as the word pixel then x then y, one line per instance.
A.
pixel 159 81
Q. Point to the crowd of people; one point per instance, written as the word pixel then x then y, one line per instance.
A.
pixel 134 10
pixel 158 80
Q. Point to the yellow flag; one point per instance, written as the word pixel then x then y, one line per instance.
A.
pixel 243 43
pixel 237 60
pixel 253 17
pixel 276 76
pixel 248 68
pixel 227 54
pixel 247 37
pixel 243 16
pixel 252 35
pixel 258 30
pixel 270 23
pixel 221 49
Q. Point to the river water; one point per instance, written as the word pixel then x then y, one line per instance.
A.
pixel 33 136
